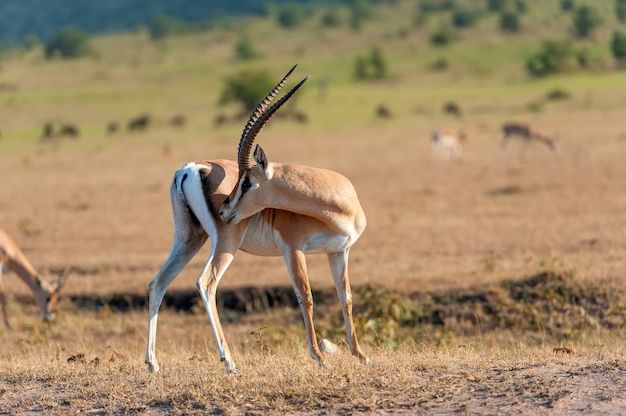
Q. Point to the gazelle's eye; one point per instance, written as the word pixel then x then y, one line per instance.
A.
pixel 246 185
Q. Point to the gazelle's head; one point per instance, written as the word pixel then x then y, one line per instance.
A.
pixel 248 197
pixel 47 296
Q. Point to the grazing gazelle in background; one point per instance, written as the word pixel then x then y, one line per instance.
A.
pixel 447 144
pixel 46 294
pixel 266 209
pixel 527 133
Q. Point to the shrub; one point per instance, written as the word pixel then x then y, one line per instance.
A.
pixel 509 22
pixel 373 66
pixel 618 45
pixel 69 43
pixel 496 5
pixel 331 18
pixel 555 56
pixel 247 88
pixel 586 20
pixel 567 5
pixel 378 63
pixel 464 17
pixel 292 15
pixel 244 49
pixel 521 6
pixel 620 10
pixel 442 37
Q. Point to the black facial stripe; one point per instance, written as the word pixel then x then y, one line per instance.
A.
pixel 245 185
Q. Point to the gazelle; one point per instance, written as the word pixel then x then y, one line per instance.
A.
pixel 525 132
pixel 266 209
pixel 447 144
pixel 46 294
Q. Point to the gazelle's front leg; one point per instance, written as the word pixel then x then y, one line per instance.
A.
pixel 296 265
pixel 179 257
pixel 339 269
pixel 3 301
pixel 210 277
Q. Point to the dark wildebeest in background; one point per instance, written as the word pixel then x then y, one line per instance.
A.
pixel 382 111
pixel 139 123
pixel 64 130
pixel 452 109
pixel 69 130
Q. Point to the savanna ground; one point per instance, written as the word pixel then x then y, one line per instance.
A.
pixel 468 276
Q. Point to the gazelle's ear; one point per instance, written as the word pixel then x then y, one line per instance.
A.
pixel 261 161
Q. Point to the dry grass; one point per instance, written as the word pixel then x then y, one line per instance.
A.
pixel 87 376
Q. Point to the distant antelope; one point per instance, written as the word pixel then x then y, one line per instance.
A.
pixel 139 123
pixel 46 294
pixel 525 132
pixel 452 109
pixel 447 144
pixel 265 209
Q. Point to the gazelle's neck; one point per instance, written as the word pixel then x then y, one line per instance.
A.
pixel 27 273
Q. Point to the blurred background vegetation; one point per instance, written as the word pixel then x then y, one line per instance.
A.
pixel 119 52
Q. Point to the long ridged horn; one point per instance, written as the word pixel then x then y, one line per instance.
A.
pixel 259 117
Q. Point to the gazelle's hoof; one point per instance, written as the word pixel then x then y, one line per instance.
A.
pixel 153 367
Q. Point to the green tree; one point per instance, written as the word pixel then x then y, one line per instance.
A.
pixel 247 88
pixel 69 43
pixel 586 20
pixel 372 66
pixel 378 63
pixel 618 46
pixel 464 17
pixel 567 5
pixel 620 10
pixel 521 6
pixel 331 18
pixel 244 49
pixel 291 15
pixel 509 22
pixel 442 36
pixel 496 5
pixel 553 57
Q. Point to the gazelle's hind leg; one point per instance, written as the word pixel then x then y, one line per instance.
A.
pixel 179 257
pixel 296 265
pixel 189 237
pixel 224 247
pixel 339 269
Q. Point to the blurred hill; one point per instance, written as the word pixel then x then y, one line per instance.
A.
pixel 43 18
